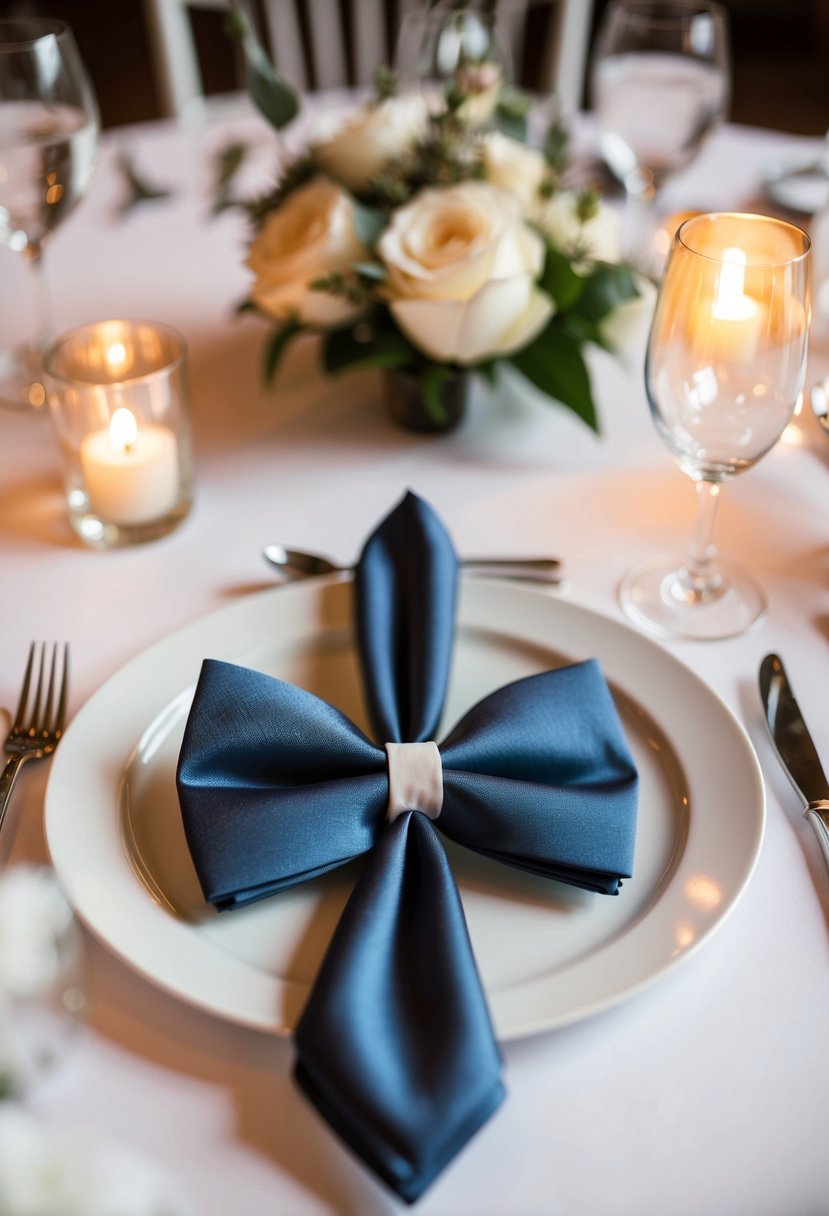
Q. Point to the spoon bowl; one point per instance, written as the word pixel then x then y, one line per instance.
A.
pixel 820 403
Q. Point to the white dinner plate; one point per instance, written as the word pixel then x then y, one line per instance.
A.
pixel 548 953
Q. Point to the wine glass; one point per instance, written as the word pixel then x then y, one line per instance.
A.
pixel 660 83
pixel 724 372
pixel 49 128
pixel 456 55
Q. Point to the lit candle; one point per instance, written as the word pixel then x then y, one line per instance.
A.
pixel 131 472
pixel 729 331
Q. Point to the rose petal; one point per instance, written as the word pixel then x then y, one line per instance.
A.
pixel 491 314
pixel 433 325
pixel 528 325
pixel 503 317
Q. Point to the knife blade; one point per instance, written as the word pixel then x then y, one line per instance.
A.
pixel 795 748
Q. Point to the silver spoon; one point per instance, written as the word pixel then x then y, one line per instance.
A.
pixel 295 564
pixel 820 403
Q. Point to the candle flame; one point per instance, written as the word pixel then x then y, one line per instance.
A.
pixel 116 356
pixel 732 304
pixel 123 430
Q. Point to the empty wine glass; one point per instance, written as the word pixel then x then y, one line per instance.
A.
pixel 49 128
pixel 660 84
pixel 456 55
pixel 724 372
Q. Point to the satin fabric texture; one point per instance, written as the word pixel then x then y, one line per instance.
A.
pixel 395 1046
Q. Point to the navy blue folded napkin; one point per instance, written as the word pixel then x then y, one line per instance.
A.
pixel 395 1046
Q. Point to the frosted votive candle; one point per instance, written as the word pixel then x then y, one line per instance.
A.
pixel 118 396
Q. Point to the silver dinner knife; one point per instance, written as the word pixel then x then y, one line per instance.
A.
pixel 795 748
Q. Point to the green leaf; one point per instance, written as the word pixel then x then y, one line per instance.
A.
pixel 369 222
pixel 553 362
pixel 276 348
pixel 431 380
pixel 560 280
pixel 371 270
pixel 610 285
pixel 583 330
pixel 228 162
pixel 270 92
pixel 140 190
pixel 362 346
pixel 487 371
pixel 556 146
pixel 513 125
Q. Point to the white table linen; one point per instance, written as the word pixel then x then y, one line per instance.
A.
pixel 703 1093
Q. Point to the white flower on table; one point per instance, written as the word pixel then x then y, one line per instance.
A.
pixel 514 166
pixel 625 330
pixel 480 84
pixel 41 981
pixel 598 239
pixel 35 919
pixel 309 237
pixel 56 1172
pixel 356 147
pixel 462 267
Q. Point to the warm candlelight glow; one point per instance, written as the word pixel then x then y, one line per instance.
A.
pixel 116 356
pixel 123 430
pixel 732 304
pixel 727 327
pixel 131 473
pixel 118 390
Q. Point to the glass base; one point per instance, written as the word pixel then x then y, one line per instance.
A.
pixel 21 379
pixel 103 534
pixel 653 597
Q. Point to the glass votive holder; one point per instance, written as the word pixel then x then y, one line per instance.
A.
pixel 118 397
pixel 42 982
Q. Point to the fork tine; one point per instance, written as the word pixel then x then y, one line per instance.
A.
pixel 33 721
pixel 63 696
pixel 24 691
pixel 46 719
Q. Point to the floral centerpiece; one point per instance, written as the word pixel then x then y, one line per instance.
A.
pixel 420 235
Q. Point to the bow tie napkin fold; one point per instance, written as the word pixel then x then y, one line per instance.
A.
pixel 395 1046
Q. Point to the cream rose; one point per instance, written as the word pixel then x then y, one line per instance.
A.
pixel 558 219
pixel 462 266
pixel 513 166
pixel 626 329
pixel 356 149
pixel 311 235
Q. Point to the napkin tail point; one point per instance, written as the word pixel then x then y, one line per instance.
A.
pixel 407 1180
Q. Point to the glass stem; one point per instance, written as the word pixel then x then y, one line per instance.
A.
pixel 640 224
pixel 699 578
pixel 41 313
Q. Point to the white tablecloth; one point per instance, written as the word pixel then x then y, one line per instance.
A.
pixel 702 1094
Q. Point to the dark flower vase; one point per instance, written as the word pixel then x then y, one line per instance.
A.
pixel 406 406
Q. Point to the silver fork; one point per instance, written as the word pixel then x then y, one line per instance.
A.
pixel 38 723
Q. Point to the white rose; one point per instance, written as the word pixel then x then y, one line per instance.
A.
pixel 513 166
pixel 626 328
pixel 311 235
pixel 598 238
pixel 355 149
pixel 35 927
pixel 462 266
pixel 481 84
pixel 62 1172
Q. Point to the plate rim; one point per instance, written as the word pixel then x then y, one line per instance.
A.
pixel 123 943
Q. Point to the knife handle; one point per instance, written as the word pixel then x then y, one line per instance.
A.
pixel 818 815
